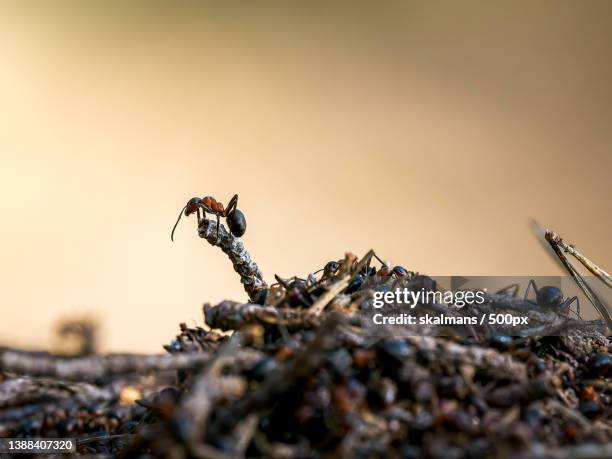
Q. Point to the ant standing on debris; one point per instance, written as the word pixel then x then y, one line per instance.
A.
pixel 383 272
pixel 386 271
pixel 234 217
pixel 329 270
pixel 547 296
pixel 332 267
pixel 298 291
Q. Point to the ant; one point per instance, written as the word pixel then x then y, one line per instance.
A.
pixel 235 218
pixel 547 296
pixel 329 270
pixel 332 267
pixel 383 272
pixel 386 271
pixel 298 290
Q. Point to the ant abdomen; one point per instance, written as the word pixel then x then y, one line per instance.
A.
pixel 236 222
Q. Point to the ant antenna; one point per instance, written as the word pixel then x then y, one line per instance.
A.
pixel 177 220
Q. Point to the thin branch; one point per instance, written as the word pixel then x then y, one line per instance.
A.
pixel 95 367
pixel 490 361
pixel 230 315
pixel 582 451
pixel 250 275
pixel 553 240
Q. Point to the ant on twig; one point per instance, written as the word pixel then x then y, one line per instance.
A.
pixel 234 217
pixel 547 296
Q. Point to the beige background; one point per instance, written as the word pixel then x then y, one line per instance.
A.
pixel 430 131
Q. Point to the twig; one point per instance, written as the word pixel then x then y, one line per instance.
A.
pixel 19 391
pixel 488 361
pixel 554 238
pixel 519 394
pixel 559 246
pixel 95 367
pixel 250 275
pixel 245 430
pixel 209 387
pixel 230 315
pixel 583 451
pixel 96 438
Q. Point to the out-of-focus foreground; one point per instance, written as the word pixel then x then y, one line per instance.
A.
pixel 428 131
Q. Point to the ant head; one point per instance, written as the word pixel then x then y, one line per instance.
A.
pixel 549 296
pixel 400 271
pixel 236 222
pixel 331 267
pixel 192 206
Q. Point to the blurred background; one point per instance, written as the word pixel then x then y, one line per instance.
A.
pixel 429 131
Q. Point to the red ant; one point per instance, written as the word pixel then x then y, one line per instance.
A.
pixel 235 218
pixel 385 270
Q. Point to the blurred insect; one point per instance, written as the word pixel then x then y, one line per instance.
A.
pixel 234 217
pixel 560 247
pixel 562 250
pixel 329 270
pixel 383 272
pixel 547 296
pixel 303 292
pixel 298 290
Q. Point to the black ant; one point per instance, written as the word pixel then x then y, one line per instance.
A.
pixel 297 290
pixel 234 217
pixel 329 270
pixel 332 267
pixel 547 296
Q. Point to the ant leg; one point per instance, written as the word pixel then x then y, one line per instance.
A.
pixel 281 281
pixel 564 308
pixel 535 288
pixel 231 205
pixel 366 269
pixel 513 288
pixel 218 223
pixel 378 258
